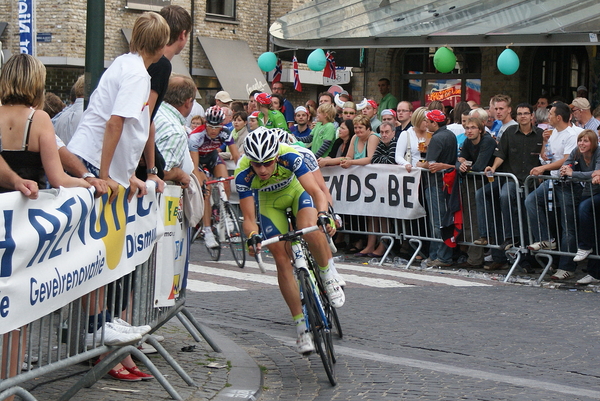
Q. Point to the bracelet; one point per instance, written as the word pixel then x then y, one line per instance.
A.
pixel 252 233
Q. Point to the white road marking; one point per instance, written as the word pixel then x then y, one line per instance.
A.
pixel 207 286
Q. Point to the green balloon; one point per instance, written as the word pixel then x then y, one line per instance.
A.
pixel 508 62
pixel 267 61
pixel 444 60
pixel 316 60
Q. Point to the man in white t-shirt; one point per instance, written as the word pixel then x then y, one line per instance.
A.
pixel 114 130
pixel 503 113
pixel 557 146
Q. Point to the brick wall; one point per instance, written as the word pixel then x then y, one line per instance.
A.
pixel 60 80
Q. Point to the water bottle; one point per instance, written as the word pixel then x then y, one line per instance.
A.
pixel 548 153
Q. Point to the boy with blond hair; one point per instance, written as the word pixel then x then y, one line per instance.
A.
pixel 113 132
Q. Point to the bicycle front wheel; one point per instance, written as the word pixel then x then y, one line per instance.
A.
pixel 234 235
pixel 321 335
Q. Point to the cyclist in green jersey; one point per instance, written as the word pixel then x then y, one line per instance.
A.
pixel 280 179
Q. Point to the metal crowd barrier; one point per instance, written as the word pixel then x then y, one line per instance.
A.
pixel 60 339
pixel 553 215
pixel 496 201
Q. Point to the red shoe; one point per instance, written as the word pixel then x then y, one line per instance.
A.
pixel 124 375
pixel 144 376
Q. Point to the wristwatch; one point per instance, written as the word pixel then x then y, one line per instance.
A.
pixel 152 170
pixel 88 175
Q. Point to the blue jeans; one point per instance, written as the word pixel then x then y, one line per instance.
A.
pixel 437 209
pixel 589 221
pixel 566 197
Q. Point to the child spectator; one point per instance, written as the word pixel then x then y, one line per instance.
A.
pixel 322 136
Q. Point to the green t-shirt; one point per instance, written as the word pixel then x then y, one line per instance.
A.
pixel 320 134
pixel 389 101
pixel 274 120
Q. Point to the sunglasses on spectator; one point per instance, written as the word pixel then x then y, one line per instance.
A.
pixel 268 163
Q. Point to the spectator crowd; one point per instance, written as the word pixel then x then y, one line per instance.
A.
pixel 143 123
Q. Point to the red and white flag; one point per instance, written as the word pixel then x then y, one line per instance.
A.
pixel 297 84
pixel 278 71
pixel 329 70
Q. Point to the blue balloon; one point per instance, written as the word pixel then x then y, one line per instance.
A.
pixel 508 62
pixel 267 61
pixel 316 60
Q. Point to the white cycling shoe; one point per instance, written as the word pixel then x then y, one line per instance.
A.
pixel 209 239
pixel 335 293
pixel 305 344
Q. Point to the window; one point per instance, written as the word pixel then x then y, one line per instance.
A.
pixel 423 83
pixel 221 9
pixel 556 77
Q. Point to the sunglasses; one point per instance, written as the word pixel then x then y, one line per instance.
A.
pixel 264 164
pixel 214 126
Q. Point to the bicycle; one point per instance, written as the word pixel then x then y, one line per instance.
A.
pixel 318 312
pixel 225 223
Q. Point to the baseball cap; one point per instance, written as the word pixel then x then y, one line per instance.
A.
pixel 436 115
pixel 581 103
pixel 388 112
pixel 224 97
pixel 263 98
pixel 300 109
pixel 254 115
pixel 373 103
pixel 581 88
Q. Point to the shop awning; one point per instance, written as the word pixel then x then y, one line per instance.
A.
pixel 334 24
pixel 177 64
pixel 235 66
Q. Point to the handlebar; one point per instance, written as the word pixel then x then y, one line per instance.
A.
pixel 289 236
pixel 220 179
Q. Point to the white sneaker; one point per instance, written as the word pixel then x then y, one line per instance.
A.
pixel 587 280
pixel 581 255
pixel 305 344
pixel 111 337
pixel 209 239
pixel 129 329
pixel 335 293
pixel 538 246
pixel 134 329
pixel 147 349
pixel 562 275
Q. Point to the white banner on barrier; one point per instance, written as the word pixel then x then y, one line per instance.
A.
pixel 65 244
pixel 379 190
pixel 171 251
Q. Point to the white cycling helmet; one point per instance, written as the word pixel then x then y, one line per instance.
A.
pixel 261 145
pixel 283 136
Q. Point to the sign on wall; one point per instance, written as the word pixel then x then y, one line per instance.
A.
pixel 26 26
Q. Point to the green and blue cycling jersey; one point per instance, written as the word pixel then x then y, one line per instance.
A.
pixel 275 194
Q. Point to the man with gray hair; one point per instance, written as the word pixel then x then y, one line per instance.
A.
pixel 171 136
pixel 581 112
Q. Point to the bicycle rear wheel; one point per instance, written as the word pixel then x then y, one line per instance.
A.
pixel 321 335
pixel 234 235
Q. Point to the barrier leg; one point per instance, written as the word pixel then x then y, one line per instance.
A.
pixel 388 250
pixel 538 257
pixel 198 327
pixel 517 258
pixel 106 364
pixel 171 361
pixel 21 392
pixel 417 250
